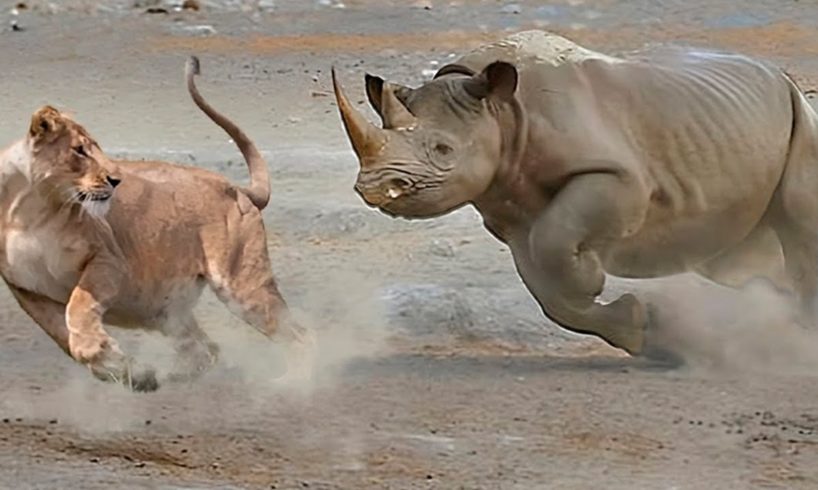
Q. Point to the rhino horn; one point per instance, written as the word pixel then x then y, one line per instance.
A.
pixel 395 114
pixel 366 138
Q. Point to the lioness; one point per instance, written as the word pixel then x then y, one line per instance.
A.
pixel 86 240
pixel 662 162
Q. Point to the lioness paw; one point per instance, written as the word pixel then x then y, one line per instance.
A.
pixel 88 349
pixel 144 382
pixel 121 371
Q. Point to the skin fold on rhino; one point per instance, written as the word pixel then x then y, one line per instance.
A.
pixel 661 162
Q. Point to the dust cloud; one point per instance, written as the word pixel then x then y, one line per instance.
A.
pixel 343 310
pixel 710 327
pixel 349 322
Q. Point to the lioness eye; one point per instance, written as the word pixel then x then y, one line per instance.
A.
pixel 79 150
pixel 443 149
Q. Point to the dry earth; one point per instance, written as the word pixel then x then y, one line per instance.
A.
pixel 437 370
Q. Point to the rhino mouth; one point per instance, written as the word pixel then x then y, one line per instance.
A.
pixel 383 189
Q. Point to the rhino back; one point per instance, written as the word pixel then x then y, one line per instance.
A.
pixel 685 121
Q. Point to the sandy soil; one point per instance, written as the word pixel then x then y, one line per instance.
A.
pixel 437 369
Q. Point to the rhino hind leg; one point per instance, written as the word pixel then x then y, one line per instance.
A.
pixel 565 272
pixel 759 256
pixel 800 247
pixel 793 212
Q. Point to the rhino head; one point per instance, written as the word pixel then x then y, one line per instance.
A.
pixel 440 145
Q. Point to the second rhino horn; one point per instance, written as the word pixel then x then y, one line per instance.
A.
pixel 395 114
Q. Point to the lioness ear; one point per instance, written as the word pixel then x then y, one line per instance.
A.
pixel 44 122
pixel 498 79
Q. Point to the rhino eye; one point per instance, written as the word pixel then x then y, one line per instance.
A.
pixel 443 149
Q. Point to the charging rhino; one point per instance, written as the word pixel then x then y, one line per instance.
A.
pixel 661 162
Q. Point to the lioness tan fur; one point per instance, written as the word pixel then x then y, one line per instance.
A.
pixel 86 240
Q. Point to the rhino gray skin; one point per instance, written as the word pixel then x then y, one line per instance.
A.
pixel 658 163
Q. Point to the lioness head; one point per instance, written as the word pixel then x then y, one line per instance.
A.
pixel 440 144
pixel 67 165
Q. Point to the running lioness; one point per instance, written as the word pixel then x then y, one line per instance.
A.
pixel 86 240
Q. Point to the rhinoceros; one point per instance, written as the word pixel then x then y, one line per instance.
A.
pixel 654 163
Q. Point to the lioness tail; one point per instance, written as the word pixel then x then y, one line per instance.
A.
pixel 259 190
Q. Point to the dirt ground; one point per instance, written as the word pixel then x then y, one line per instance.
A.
pixel 436 370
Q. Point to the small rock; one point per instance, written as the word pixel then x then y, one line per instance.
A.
pixel 94 460
pixel 156 10
pixel 201 30
pixel 511 8
pixel 441 248
pixel 53 421
pixel 191 5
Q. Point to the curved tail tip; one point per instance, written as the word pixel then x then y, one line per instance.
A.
pixel 193 66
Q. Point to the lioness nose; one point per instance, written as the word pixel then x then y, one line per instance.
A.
pixel 113 181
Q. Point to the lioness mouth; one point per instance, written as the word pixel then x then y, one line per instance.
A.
pixel 94 197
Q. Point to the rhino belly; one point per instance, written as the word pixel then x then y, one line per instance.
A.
pixel 666 246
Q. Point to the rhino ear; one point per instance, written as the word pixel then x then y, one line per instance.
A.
pixel 374 92
pixel 375 89
pixel 498 79
pixel 501 78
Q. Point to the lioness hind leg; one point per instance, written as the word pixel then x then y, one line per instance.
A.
pixel 241 276
pixel 196 353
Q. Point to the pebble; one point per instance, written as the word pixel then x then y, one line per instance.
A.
pixel 511 8
pixel 200 30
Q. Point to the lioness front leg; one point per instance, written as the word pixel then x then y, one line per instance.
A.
pixel 47 313
pixel 88 342
pixel 561 265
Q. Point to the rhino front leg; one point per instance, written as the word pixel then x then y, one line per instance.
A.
pixel 561 265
